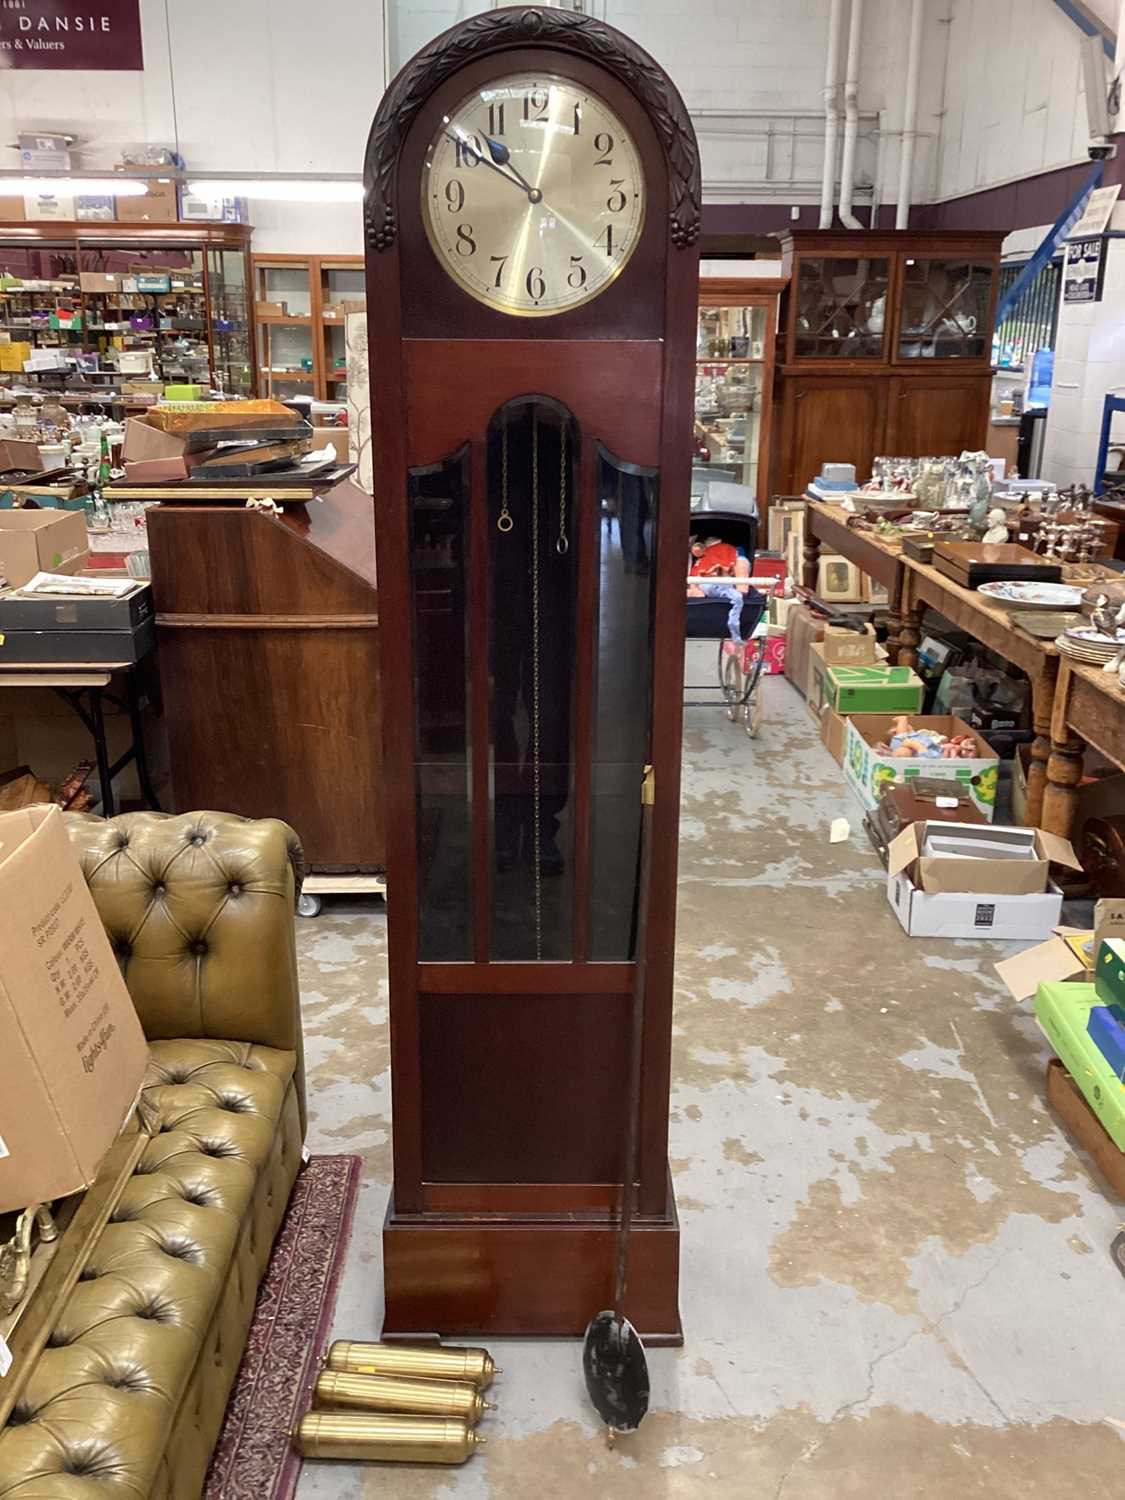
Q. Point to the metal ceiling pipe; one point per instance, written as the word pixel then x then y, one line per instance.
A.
pixel 831 110
pixel 851 118
pixel 909 115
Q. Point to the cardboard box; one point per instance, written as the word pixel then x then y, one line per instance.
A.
pixel 1064 956
pixel 833 732
pixel 1012 861
pixel 849 648
pixel 74 1052
pixel 1066 1013
pixel 816 694
pixel 872 689
pixel 13 355
pixel 99 281
pixel 269 309
pixel 865 769
pixel 41 541
pixel 960 914
pixel 160 203
pixel 18 453
pixel 803 628
pixel 773 648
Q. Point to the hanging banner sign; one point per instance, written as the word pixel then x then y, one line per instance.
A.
pixel 1084 270
pixel 101 35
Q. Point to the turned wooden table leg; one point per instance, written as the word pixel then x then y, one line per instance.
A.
pixel 811 558
pixel 894 620
pixel 1042 706
pixel 911 632
pixel 1064 765
pixel 1060 796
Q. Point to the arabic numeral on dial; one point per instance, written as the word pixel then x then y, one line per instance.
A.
pixel 605 241
pixel 535 106
pixel 499 261
pixel 578 119
pixel 536 286
pixel 603 146
pixel 466 245
pixel 496 118
pixel 616 200
pixel 577 275
pixel 468 152
pixel 454 195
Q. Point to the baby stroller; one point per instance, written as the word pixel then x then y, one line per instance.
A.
pixel 729 608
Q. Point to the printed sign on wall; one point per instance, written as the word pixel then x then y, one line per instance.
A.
pixel 103 35
pixel 1084 270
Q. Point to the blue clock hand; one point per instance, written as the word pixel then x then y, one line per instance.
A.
pixel 502 156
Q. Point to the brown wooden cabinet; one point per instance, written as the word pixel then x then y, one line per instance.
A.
pixel 734 351
pixel 885 347
pixel 300 302
pixel 270 669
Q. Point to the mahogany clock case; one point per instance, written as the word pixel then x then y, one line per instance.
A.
pixel 508 1077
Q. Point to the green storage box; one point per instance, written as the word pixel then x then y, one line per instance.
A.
pixel 1064 1014
pixel 877 689
pixel 183 392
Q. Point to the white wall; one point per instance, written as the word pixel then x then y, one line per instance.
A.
pixel 1000 93
pixel 1014 101
pixel 251 94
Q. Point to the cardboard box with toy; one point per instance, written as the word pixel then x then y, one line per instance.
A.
pixel 891 747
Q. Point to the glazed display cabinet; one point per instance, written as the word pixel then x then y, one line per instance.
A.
pixel 736 334
pixel 885 347
pixel 300 303
pixel 124 300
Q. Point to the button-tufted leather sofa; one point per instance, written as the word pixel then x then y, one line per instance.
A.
pixel 128 1396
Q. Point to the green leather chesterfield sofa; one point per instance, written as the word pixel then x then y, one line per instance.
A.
pixel 128 1395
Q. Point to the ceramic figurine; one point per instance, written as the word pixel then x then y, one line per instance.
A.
pixel 997 526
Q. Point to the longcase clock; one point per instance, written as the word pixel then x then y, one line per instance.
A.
pixel 532 207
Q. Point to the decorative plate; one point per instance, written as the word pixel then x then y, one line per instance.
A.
pixel 1027 594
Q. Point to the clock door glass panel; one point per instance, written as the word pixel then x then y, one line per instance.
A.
pixel 439 572
pixel 626 562
pixel 532 490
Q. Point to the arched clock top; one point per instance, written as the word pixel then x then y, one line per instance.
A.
pixel 500 30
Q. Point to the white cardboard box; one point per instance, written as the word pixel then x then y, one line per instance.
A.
pixel 956 914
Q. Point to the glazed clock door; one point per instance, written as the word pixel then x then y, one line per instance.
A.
pixel 532 203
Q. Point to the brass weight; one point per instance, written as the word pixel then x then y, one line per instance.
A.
pixel 417 1360
pixel 373 1438
pixel 336 1390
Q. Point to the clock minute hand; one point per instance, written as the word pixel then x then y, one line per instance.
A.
pixel 502 156
pixel 467 145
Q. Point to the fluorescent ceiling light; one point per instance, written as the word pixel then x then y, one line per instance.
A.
pixel 280 189
pixel 93 187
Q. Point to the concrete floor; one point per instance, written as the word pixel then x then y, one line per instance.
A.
pixel 895 1273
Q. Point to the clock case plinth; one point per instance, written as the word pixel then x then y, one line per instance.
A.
pixel 508 1078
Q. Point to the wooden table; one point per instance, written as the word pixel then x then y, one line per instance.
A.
pixel 75 682
pixel 1089 709
pixel 826 528
pixel 990 624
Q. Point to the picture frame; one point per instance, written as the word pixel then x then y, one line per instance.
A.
pixel 838 581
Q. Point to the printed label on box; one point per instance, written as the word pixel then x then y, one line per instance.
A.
pixel 985 914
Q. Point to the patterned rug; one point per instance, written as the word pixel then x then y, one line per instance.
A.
pixel 253 1459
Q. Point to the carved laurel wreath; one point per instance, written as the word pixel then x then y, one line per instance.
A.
pixel 506 28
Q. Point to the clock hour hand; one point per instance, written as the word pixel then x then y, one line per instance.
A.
pixel 502 156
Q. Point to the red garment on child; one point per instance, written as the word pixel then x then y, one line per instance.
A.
pixel 717 560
